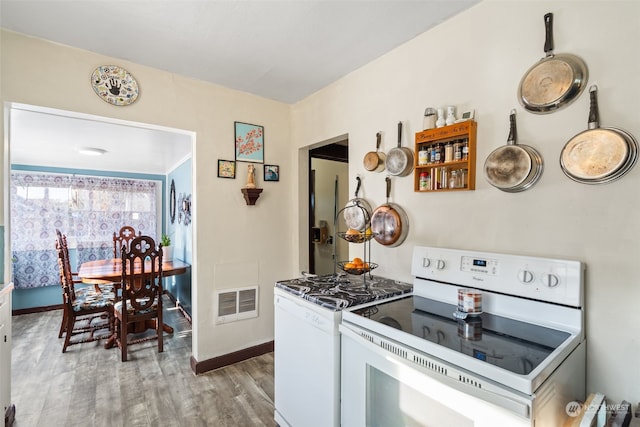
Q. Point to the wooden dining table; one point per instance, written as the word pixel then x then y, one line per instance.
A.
pixel 110 270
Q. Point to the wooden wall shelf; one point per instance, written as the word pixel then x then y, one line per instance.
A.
pixel 251 195
pixel 457 132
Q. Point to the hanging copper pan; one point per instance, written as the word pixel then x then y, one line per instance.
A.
pixel 554 81
pixel 513 168
pixel 389 222
pixel 374 160
pixel 598 155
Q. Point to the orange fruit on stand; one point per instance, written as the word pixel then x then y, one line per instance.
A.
pixel 358 261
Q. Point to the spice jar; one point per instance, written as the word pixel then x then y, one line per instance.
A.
pixel 423 155
pixel 444 177
pixel 454 180
pixel 437 155
pixel 424 181
pixel 462 177
pixel 448 152
pixel 465 149
pixel 457 150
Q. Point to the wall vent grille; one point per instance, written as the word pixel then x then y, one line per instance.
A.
pixel 237 304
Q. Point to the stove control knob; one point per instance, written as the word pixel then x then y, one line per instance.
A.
pixel 525 276
pixel 440 264
pixel 426 262
pixel 550 280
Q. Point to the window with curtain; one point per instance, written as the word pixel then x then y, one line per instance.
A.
pixel 88 209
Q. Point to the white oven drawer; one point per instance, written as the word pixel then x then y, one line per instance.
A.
pixel 379 388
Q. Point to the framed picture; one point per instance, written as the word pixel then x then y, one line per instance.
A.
pixel 249 142
pixel 271 173
pixel 226 169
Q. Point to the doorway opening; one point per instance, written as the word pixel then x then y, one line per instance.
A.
pixel 47 140
pixel 328 193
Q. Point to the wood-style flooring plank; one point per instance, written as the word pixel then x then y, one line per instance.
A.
pixel 90 386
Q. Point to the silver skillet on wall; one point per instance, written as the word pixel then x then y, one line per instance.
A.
pixel 598 155
pixel 513 168
pixel 399 161
pixel 553 82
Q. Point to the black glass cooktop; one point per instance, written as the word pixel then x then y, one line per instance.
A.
pixel 510 344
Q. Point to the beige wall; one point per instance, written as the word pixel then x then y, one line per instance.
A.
pixel 476 60
pixel 235 245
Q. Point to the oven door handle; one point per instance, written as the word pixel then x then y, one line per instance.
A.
pixel 489 393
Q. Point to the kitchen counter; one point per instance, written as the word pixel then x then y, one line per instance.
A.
pixel 337 292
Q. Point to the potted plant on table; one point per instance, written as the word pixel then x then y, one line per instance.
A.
pixel 167 249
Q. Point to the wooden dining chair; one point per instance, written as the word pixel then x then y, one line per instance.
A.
pixel 123 237
pixel 87 291
pixel 84 313
pixel 140 306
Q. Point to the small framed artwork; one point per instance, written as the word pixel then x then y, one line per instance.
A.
pixel 226 169
pixel 271 173
pixel 249 143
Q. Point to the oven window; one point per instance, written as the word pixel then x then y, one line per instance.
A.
pixel 392 403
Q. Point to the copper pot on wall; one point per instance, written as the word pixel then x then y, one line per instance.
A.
pixel 374 160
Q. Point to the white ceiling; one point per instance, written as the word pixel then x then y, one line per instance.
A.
pixel 282 50
pixel 46 137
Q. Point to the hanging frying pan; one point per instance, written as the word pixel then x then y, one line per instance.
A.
pixel 399 161
pixel 389 222
pixel 357 212
pixel 374 160
pixel 598 155
pixel 513 168
pixel 554 81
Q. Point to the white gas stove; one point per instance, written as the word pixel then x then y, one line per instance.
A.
pixel 521 361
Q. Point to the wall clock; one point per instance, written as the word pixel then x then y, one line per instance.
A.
pixel 114 85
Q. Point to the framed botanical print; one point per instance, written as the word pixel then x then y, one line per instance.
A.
pixel 249 142
pixel 226 169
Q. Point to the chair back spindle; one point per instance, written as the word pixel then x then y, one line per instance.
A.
pixel 123 238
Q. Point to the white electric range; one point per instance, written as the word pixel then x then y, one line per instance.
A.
pixel 414 361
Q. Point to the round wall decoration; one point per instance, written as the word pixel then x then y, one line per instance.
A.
pixel 114 85
pixel 172 202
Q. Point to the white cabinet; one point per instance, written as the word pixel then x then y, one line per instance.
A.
pixel 5 351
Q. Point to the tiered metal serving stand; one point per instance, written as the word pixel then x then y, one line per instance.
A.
pixel 363 236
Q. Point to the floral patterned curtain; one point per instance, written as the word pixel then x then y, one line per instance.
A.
pixel 87 209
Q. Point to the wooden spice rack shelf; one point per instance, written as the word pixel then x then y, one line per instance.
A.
pixel 457 132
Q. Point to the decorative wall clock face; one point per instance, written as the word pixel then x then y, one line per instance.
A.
pixel 114 85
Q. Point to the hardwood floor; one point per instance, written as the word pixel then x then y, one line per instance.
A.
pixel 90 386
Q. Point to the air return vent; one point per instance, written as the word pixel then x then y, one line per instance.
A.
pixel 237 304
